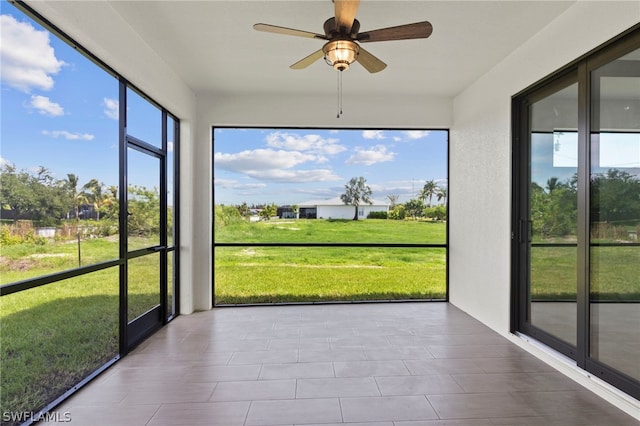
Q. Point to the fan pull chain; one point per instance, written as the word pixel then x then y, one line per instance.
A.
pixel 339 99
pixel 339 94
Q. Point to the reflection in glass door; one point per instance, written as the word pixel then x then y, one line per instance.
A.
pixel 576 213
pixel 614 297
pixel 552 221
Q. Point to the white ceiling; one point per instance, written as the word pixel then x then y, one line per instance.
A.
pixel 212 46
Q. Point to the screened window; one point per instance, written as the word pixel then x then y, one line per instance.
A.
pixel 65 223
pixel 303 209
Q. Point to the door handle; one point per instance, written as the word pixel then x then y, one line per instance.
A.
pixel 525 231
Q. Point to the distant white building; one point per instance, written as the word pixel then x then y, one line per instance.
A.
pixel 334 208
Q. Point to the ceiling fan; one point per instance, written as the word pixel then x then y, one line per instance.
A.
pixel 342 35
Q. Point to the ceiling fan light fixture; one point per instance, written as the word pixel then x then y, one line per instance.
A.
pixel 341 53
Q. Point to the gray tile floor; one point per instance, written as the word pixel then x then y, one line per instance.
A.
pixel 399 364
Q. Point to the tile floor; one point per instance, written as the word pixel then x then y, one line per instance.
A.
pixel 398 364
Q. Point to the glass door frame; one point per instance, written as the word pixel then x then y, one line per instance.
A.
pixel 522 226
pixel 582 68
pixel 135 331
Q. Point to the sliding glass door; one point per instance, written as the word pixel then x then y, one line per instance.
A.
pixel 576 213
pixel 614 252
pixel 551 221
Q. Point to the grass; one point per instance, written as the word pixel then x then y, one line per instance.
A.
pixel 314 274
pixel 22 261
pixel 323 274
pixel 334 231
pixel 53 336
pixel 614 273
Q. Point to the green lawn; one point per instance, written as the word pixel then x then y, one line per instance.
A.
pixel 334 231
pixel 614 273
pixel 53 336
pixel 317 274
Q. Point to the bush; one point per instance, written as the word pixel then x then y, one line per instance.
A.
pixel 226 215
pixel 398 213
pixel 6 238
pixel 377 215
pixel 437 212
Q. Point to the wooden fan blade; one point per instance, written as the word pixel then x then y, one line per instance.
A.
pixel 345 14
pixel 303 63
pixel 370 62
pixel 401 32
pixel 287 31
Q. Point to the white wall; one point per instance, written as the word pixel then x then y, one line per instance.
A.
pixel 320 111
pixel 480 171
pixel 335 212
pixel 347 212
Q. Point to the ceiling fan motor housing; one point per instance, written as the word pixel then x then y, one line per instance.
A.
pixel 341 50
pixel 331 30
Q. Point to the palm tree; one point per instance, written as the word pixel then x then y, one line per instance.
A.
pixel 70 185
pixel 356 192
pixel 441 194
pixel 393 200
pixel 428 191
pixel 110 201
pixel 553 184
pixel 93 192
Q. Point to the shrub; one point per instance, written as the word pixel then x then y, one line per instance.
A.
pixel 438 212
pixel 226 215
pixel 398 213
pixel 377 215
pixel 31 237
pixel 6 238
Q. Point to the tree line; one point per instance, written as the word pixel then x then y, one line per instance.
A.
pixel 614 204
pixel 422 205
pixel 357 193
pixel 38 196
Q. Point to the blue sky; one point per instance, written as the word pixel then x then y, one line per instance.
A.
pixel 60 110
pixel 556 155
pixel 290 166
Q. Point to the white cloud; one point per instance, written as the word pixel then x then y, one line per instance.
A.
pixel 373 134
pixel 272 165
pixel 4 162
pixel 234 184
pixel 28 60
pixel 46 107
pixel 68 135
pixel 299 176
pixel 260 159
pixel 416 134
pixel 376 154
pixel 111 108
pixel 311 143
